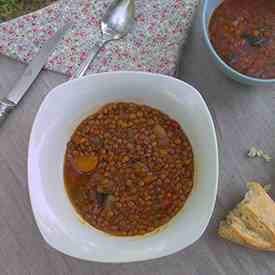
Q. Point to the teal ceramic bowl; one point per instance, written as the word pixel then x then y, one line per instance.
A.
pixel 208 7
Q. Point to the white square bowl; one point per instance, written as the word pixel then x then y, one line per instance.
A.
pixel 61 112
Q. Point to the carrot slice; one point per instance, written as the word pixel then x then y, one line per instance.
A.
pixel 86 164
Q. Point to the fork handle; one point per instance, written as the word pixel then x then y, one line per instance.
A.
pixel 91 57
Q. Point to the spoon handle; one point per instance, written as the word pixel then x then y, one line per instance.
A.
pixel 90 58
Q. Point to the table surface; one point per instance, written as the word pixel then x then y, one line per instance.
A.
pixel 244 117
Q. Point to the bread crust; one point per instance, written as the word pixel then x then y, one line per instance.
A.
pixel 252 222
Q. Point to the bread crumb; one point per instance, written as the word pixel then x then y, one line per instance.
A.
pixel 252 153
pixel 266 157
pixel 255 153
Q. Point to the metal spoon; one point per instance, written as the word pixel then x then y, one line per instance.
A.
pixel 116 24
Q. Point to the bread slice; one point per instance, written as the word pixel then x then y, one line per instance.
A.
pixel 252 222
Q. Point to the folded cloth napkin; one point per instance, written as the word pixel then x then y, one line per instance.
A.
pixel 162 27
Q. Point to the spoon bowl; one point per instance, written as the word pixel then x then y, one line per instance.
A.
pixel 119 19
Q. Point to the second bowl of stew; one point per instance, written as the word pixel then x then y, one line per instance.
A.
pixel 240 37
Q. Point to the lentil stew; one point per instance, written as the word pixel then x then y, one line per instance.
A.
pixel 128 169
pixel 243 35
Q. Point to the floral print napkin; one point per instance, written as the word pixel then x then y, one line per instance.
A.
pixel 162 27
